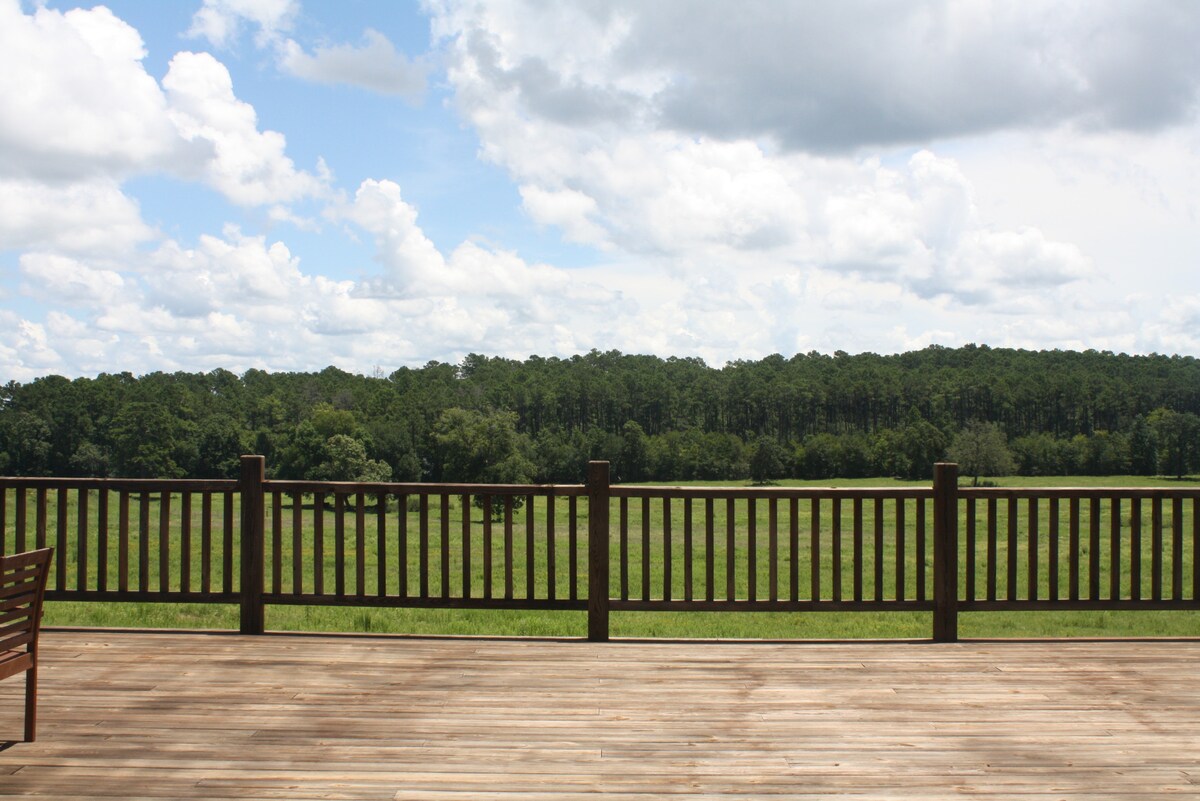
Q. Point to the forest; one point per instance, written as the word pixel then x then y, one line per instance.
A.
pixel 542 418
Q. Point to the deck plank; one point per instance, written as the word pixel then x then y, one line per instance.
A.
pixel 205 716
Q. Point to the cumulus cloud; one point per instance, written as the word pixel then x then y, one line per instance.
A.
pixel 220 21
pixel 90 217
pixel 376 65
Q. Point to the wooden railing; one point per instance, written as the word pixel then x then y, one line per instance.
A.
pixel 940 549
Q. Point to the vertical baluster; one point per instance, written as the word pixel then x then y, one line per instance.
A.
pixel 508 546
pixel 970 550
pixel 573 545
pixel 814 547
pixel 1115 555
pixel 81 540
pixel 551 578
pixel 710 558
pixel 206 542
pixel 837 548
pixel 878 558
pixel 40 519
pixel 339 544
pixel 1033 536
pixel 144 542
pixel 1135 548
pixel 1156 548
pixel 530 551
pixel 381 542
pixel 3 520
pixel 1013 550
pixel 444 544
pixel 423 547
pixel 1073 549
pixel 645 549
pixel 487 546
pixel 623 525
pixel 1094 549
pixel 60 564
pixel 773 548
pixel 1053 535
pixel 993 549
pixel 922 550
pixel 751 550
pixel 466 546
pixel 858 549
pixel 793 549
pixel 730 552
pixel 687 549
pixel 901 557
pixel 318 560
pixel 227 536
pixel 402 544
pixel 360 543
pixel 1177 549
pixel 666 549
pixel 276 542
pixel 123 541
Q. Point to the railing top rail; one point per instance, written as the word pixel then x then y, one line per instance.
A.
pixel 415 488
pixel 629 491
pixel 129 484
pixel 980 493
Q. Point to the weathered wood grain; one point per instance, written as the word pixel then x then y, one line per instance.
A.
pixel 203 716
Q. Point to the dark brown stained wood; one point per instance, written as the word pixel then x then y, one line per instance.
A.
pixel 530 550
pixel 81 540
pixel 1094 550
pixel 444 545
pixel 773 547
pixel 298 541
pixel 402 545
pixel 751 550
pixel 1156 549
pixel 101 538
pixel 276 542
pixel 20 521
pixel 409 719
pixel 339 545
pixel 1054 534
pixel 381 543
pixel 185 541
pixel 1135 548
pixel 123 541
pixel 623 546
pixel 551 536
pixel 60 543
pixel 206 542
pixel 993 537
pixel 40 518
pixel 1013 551
pixel 1032 537
pixel 730 551
pixel 901 533
pixel 666 549
pixel 710 544
pixel 836 533
pixel 922 551
pixel 877 558
pixel 465 539
pixel 1073 548
pixel 814 547
pixel 573 545
pixel 971 560
pixel 794 548
pixel 423 548
pixel 1177 549
pixel 645 549
pixel 144 542
pixel 508 546
pixel 487 547
pixel 688 554
pixel 360 543
pixel 3 520
pixel 1115 548
pixel 227 536
pixel 858 549
pixel 319 543
pixel 1196 548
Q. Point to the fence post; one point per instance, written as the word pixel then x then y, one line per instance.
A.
pixel 945 552
pixel 598 590
pixel 253 526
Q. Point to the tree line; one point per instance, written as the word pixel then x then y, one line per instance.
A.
pixel 542 418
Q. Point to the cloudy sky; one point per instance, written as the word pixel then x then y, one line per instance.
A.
pixel 288 184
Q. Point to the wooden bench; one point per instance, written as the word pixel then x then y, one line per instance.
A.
pixel 22 588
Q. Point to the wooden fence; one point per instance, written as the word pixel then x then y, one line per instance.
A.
pixel 940 549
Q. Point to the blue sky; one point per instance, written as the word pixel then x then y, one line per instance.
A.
pixel 285 185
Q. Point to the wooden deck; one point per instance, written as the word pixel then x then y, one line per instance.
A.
pixel 196 716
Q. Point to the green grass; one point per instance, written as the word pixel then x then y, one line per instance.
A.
pixel 629 624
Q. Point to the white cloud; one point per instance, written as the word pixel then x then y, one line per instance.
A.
pixel 247 165
pixel 70 281
pixel 93 217
pixel 376 65
pixel 220 21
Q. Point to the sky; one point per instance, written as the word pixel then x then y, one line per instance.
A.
pixel 291 184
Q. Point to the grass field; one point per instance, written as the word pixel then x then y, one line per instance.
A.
pixel 564 623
